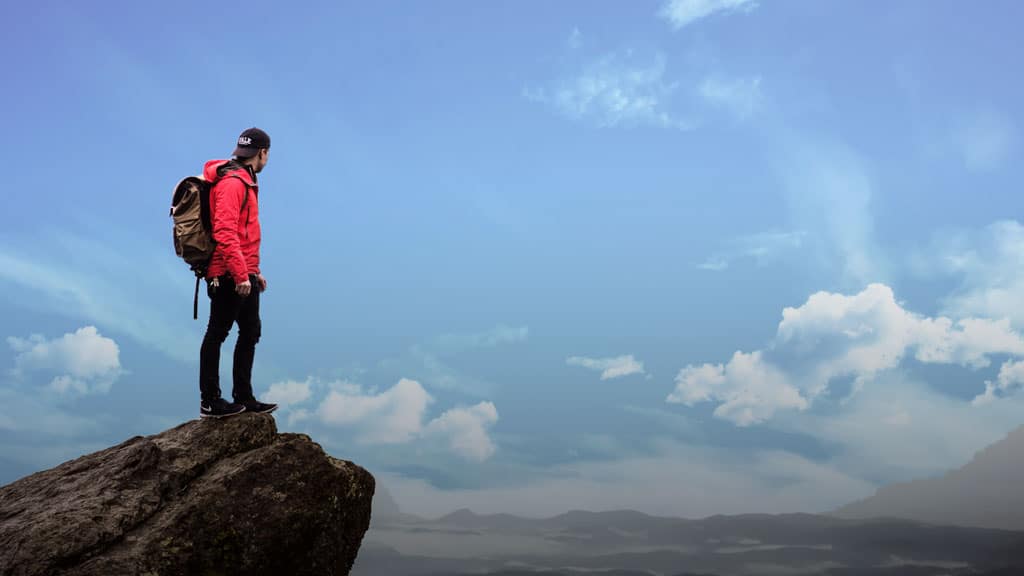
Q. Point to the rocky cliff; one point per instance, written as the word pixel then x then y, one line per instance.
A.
pixel 208 497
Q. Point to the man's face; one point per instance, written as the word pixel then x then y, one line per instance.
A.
pixel 261 158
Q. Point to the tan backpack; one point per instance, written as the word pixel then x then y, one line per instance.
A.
pixel 193 230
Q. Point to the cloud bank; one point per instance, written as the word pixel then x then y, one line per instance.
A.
pixel 84 279
pixel 81 362
pixel 397 415
pixel 831 337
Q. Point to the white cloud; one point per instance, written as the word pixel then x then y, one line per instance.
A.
pixel 829 193
pixel 762 248
pixel 833 336
pixel 739 96
pixel 289 392
pixel 714 264
pixel 870 331
pixel 901 428
pixel 396 416
pixel 84 278
pixel 1011 375
pixel 393 416
pixel 619 89
pixel 465 429
pixel 991 263
pixel 986 140
pixel 680 13
pixel 614 367
pixel 749 390
pixel 82 362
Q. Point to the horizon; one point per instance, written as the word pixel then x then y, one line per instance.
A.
pixel 679 258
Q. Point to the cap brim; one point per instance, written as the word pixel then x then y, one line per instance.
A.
pixel 246 152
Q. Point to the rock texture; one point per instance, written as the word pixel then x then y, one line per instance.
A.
pixel 210 497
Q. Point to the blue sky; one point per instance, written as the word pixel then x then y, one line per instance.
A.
pixel 684 256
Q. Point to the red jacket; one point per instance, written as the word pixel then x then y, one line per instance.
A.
pixel 235 229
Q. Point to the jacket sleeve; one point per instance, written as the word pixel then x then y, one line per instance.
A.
pixel 230 194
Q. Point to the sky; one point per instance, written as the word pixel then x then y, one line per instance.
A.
pixel 687 257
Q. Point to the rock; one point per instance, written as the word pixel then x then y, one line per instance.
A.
pixel 209 497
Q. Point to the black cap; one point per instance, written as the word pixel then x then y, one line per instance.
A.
pixel 250 141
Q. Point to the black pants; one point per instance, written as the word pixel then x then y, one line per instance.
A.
pixel 226 308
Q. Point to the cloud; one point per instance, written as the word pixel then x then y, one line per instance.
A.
pixel 396 416
pixel 677 479
pixel 739 96
pixel 901 428
pixel 762 248
pixel 289 392
pixel 1011 375
pixel 27 411
pixel 88 279
pixel 714 264
pixel 749 390
pixel 986 140
pixel 615 367
pixel 991 265
pixel 870 332
pixel 466 430
pixel 833 336
pixel 620 89
pixel 828 192
pixel 680 13
pixel 500 334
pixel 82 362
pixel 393 416
pixel 627 88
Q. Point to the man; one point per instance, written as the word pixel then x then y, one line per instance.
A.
pixel 234 281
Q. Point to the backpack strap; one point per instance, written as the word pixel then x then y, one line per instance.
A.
pixel 195 298
pixel 195 301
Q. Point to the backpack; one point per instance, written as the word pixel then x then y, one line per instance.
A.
pixel 193 228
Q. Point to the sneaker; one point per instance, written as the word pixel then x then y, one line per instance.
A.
pixel 258 407
pixel 219 408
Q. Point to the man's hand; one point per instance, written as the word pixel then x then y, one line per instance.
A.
pixel 262 282
pixel 244 288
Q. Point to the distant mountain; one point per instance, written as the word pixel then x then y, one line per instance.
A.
pixel 384 505
pixel 969 522
pixel 590 543
pixel 386 510
pixel 988 492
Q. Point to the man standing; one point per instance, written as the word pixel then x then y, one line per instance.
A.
pixel 234 281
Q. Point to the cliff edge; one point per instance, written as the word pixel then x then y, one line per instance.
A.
pixel 208 497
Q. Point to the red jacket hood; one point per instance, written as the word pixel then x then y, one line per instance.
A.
pixel 210 172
